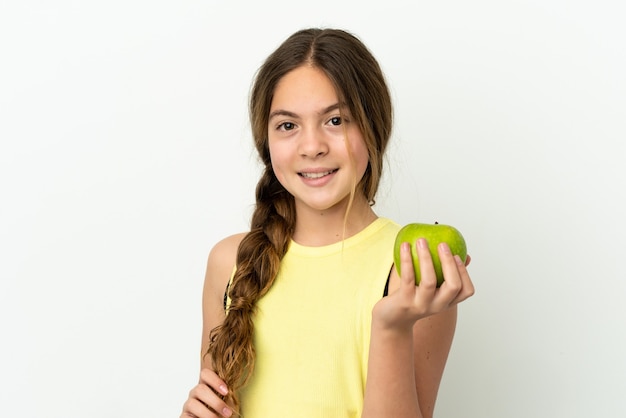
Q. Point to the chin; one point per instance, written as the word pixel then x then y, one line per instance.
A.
pixel 326 206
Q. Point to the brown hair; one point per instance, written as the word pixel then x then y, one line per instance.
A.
pixel 360 84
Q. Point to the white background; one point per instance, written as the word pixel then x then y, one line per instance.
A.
pixel 125 155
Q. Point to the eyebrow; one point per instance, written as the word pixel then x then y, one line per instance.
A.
pixel 282 112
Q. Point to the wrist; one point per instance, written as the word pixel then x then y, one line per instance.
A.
pixel 394 324
pixel 396 333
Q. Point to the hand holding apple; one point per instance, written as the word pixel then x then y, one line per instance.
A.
pixel 434 234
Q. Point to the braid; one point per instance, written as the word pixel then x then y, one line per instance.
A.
pixel 258 259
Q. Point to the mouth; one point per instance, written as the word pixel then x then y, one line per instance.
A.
pixel 316 175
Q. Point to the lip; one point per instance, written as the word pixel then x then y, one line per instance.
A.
pixel 315 173
pixel 317 176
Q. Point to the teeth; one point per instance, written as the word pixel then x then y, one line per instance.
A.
pixel 316 175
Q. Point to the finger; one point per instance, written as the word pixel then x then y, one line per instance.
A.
pixel 468 260
pixel 210 378
pixel 428 277
pixel 187 414
pixel 468 289
pixel 452 284
pixel 204 402
pixel 197 409
pixel 407 278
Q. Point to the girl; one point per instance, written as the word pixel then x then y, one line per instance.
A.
pixel 305 314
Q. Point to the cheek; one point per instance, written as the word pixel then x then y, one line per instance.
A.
pixel 277 161
pixel 361 157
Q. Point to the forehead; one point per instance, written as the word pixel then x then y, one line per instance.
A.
pixel 304 89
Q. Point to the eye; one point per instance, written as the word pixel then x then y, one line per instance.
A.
pixel 286 126
pixel 335 121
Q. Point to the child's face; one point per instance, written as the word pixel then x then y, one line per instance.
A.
pixel 307 141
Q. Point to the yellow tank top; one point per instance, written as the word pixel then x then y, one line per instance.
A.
pixel 312 329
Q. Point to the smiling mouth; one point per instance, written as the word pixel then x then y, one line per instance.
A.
pixel 316 175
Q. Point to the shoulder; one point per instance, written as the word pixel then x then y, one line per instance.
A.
pixel 221 261
pixel 224 253
pixel 387 227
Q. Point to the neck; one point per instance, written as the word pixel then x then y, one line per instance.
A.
pixel 318 228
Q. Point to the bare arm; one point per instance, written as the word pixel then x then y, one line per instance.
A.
pixel 432 340
pixel 412 332
pixel 203 400
pixel 219 268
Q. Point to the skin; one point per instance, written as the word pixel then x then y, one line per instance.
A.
pixel 414 325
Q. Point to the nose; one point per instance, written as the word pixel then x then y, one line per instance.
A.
pixel 312 143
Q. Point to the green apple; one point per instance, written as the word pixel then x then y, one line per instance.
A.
pixel 434 234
